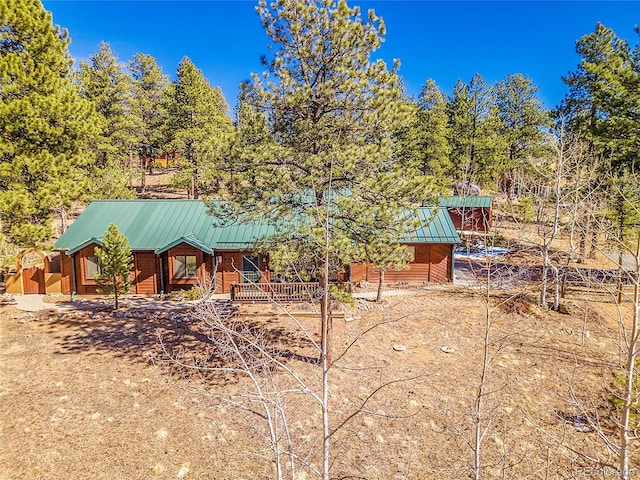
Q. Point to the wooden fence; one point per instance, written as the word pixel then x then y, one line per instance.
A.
pixel 278 292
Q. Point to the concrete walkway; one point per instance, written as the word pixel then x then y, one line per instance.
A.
pixel 35 303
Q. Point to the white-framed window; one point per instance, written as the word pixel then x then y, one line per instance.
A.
pixel 184 266
pixel 91 267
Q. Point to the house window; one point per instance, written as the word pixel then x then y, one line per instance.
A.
pixel 184 266
pixel 91 267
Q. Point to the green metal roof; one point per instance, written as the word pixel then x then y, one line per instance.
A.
pixel 468 201
pixel 158 225
pixel 437 227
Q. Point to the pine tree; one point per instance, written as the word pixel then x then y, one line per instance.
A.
pixel 433 118
pixel 250 133
pixel 200 129
pixel 332 116
pixel 602 104
pixel 422 142
pixel 105 83
pixel 115 263
pixel 43 122
pixel 473 133
pixel 522 122
pixel 604 94
pixel 150 88
pixel 328 164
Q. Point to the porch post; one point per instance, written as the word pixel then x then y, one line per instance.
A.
pixel 74 286
pixel 453 246
pixel 161 276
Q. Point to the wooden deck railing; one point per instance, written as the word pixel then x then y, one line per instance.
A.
pixel 280 292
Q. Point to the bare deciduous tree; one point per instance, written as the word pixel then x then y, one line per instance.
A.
pixel 560 189
pixel 278 382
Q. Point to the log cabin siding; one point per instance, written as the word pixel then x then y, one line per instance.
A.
pixel 230 266
pixel 145 279
pixel 219 280
pixel 432 263
pixel 475 219
pixel 165 283
pixel 440 263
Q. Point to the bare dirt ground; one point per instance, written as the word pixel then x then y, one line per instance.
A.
pixel 158 185
pixel 88 395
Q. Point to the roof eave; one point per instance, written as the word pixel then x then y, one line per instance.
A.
pixel 85 243
pixel 189 240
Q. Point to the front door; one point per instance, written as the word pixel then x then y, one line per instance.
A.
pixel 250 269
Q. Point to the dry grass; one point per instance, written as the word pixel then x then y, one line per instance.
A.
pixel 82 397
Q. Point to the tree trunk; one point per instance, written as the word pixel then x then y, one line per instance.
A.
pixel 626 433
pixel 582 247
pixel 380 284
pixel 543 285
pixel 194 177
pixel 115 289
pixel 63 218
pixel 620 273
pixel 479 428
pixel 130 169
pixel 556 287
pixel 325 361
pixel 143 172
pixel 193 193
pixel 593 248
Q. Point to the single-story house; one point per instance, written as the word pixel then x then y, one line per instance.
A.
pixel 177 244
pixel 470 213
pixel 432 247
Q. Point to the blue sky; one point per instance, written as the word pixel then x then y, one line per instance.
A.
pixel 440 40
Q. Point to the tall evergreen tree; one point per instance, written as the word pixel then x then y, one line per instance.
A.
pixel 432 118
pixel 43 122
pixel 603 103
pixel 104 81
pixel 200 128
pixel 604 96
pixel 473 132
pixel 422 143
pixel 150 88
pixel 250 133
pixel 328 165
pixel 522 122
